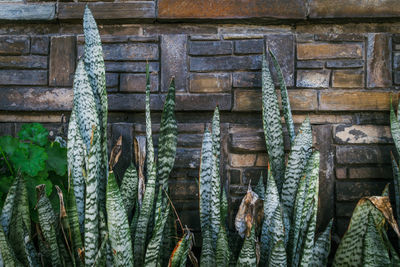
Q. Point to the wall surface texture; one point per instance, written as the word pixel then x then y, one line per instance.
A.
pixel 341 62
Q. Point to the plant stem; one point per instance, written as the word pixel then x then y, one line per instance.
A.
pixel 5 159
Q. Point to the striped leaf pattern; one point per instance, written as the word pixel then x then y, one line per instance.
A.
pixel 118 226
pixel 396 182
pixel 260 188
pixel 287 112
pixel 179 250
pixel 129 188
pixel 206 162
pixel 395 128
pixel 149 137
pixel 278 255
pixel 247 256
pixel 222 253
pixel 7 210
pixel 7 254
pixel 168 137
pixel 322 247
pixel 297 161
pixel 272 126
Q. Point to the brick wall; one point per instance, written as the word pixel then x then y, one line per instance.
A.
pixel 341 74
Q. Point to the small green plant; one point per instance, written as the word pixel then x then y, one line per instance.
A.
pixel 35 158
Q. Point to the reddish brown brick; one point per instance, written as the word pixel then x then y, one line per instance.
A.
pixel 137 82
pixel 242 160
pixel 210 83
pixel 347 79
pixel 378 61
pixel 341 173
pixel 62 60
pixel 328 51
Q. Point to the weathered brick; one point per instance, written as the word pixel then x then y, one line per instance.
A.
pixel 137 82
pixel 250 100
pixel 174 62
pixel 14 45
pixel 23 77
pixel 335 37
pixel 304 37
pixel 234 176
pixel 36 99
pixel 255 46
pixel 347 191
pixel 225 63
pixel 379 61
pixel 33 11
pixel 348 79
pixel 40 45
pixel 313 78
pixel 205 37
pixel 131 66
pixel 7 129
pixel 351 100
pixel 112 80
pixel 242 160
pixel 345 64
pixel 225 9
pixel 62 60
pixel 362 134
pixel 190 140
pixel 370 173
pixel 262 160
pixel 137 9
pixel 210 83
pixel 328 51
pixel 310 64
pixel 247 140
pixel 187 158
pixel 211 48
pixel 251 175
pixel 126 131
pixel 282 45
pixel 130 51
pixel 345 209
pixel 25 62
pixel 184 190
pixel 341 173
pixel 247 79
pixel 363 154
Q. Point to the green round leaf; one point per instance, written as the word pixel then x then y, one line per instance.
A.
pixel 8 144
pixel 29 159
pixel 34 132
pixel 57 158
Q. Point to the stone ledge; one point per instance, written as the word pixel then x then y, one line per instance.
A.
pixel 16 11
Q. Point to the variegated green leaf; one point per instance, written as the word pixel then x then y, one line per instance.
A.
pixel 394 257
pixel 224 207
pixel 129 188
pixel 215 178
pixel 298 157
pixel 396 182
pixel 168 138
pixel 94 65
pixel 48 224
pixel 278 255
pixel 322 247
pixel 118 227
pixel 7 254
pixel 74 224
pixel 30 249
pixel 179 251
pixel 307 250
pixel 287 112
pixel 144 217
pixel 395 128
pixel 100 259
pixel 247 256
pixel 8 206
pixel 222 252
pixel 207 257
pixel 272 126
pixel 106 256
pixel 169 239
pixel 185 249
pixel 260 188
pixel 149 136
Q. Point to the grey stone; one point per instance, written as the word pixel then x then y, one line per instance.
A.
pixel 136 82
pixel 379 60
pixel 255 46
pixel 14 45
pixel 40 45
pixel 251 62
pixel 23 77
pixel 27 62
pixel 34 11
pixel 247 79
pixel 313 79
pixel 211 48
pixel 131 66
pixel 111 80
pixel 310 64
pixel 345 64
pixel 130 51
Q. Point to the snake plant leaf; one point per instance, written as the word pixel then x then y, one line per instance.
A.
pixel 153 251
pixel 168 241
pixel 8 206
pixel 118 227
pixel 149 137
pixel 133 224
pixel 277 257
pixel 247 256
pixel 205 181
pixel 260 188
pixel 186 249
pixel 322 247
pixel 222 252
pixel 179 250
pixel 396 182
pixel 168 138
pixel 298 157
pixel 375 252
pixel 100 259
pixel 272 126
pixel 395 128
pixel 30 251
pixel 7 254
pixel 139 144
pixel 307 250
pixel 271 203
pixel 48 224
pixel 94 65
pixel 287 112
pixel 76 154
pixel 224 207
pixel 129 188
pixel 73 218
pixel 106 256
pixel 215 178
pixel 394 257
pixel 144 218
pixel 207 257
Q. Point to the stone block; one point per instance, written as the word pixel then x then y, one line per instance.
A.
pixel 345 209
pixel 204 64
pixel 345 64
pixel 348 79
pixel 370 173
pixel 24 62
pixel 313 78
pixel 362 134
pixel 35 99
pixel 248 141
pixel 341 173
pixel 130 51
pixel 363 154
pixel 190 140
pixel 328 51
pixel 262 160
pixel 174 61
pixel 339 37
pixel 187 158
pixel 135 82
pixel 379 57
pixel 40 45
pixel 112 80
pixel 255 46
pixel 210 83
pixel 228 9
pixel 32 11
pixel 208 48
pixel 251 175
pixel 234 176
pixel 62 60
pixel 247 79
pixel 126 131
pixel 101 10
pixel 313 64
pixel 14 45
pixel 23 77
pixel 282 45
pixel 354 100
pixel 183 190
pixel 353 191
pixel 242 160
pixel 131 66
pixel 7 129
